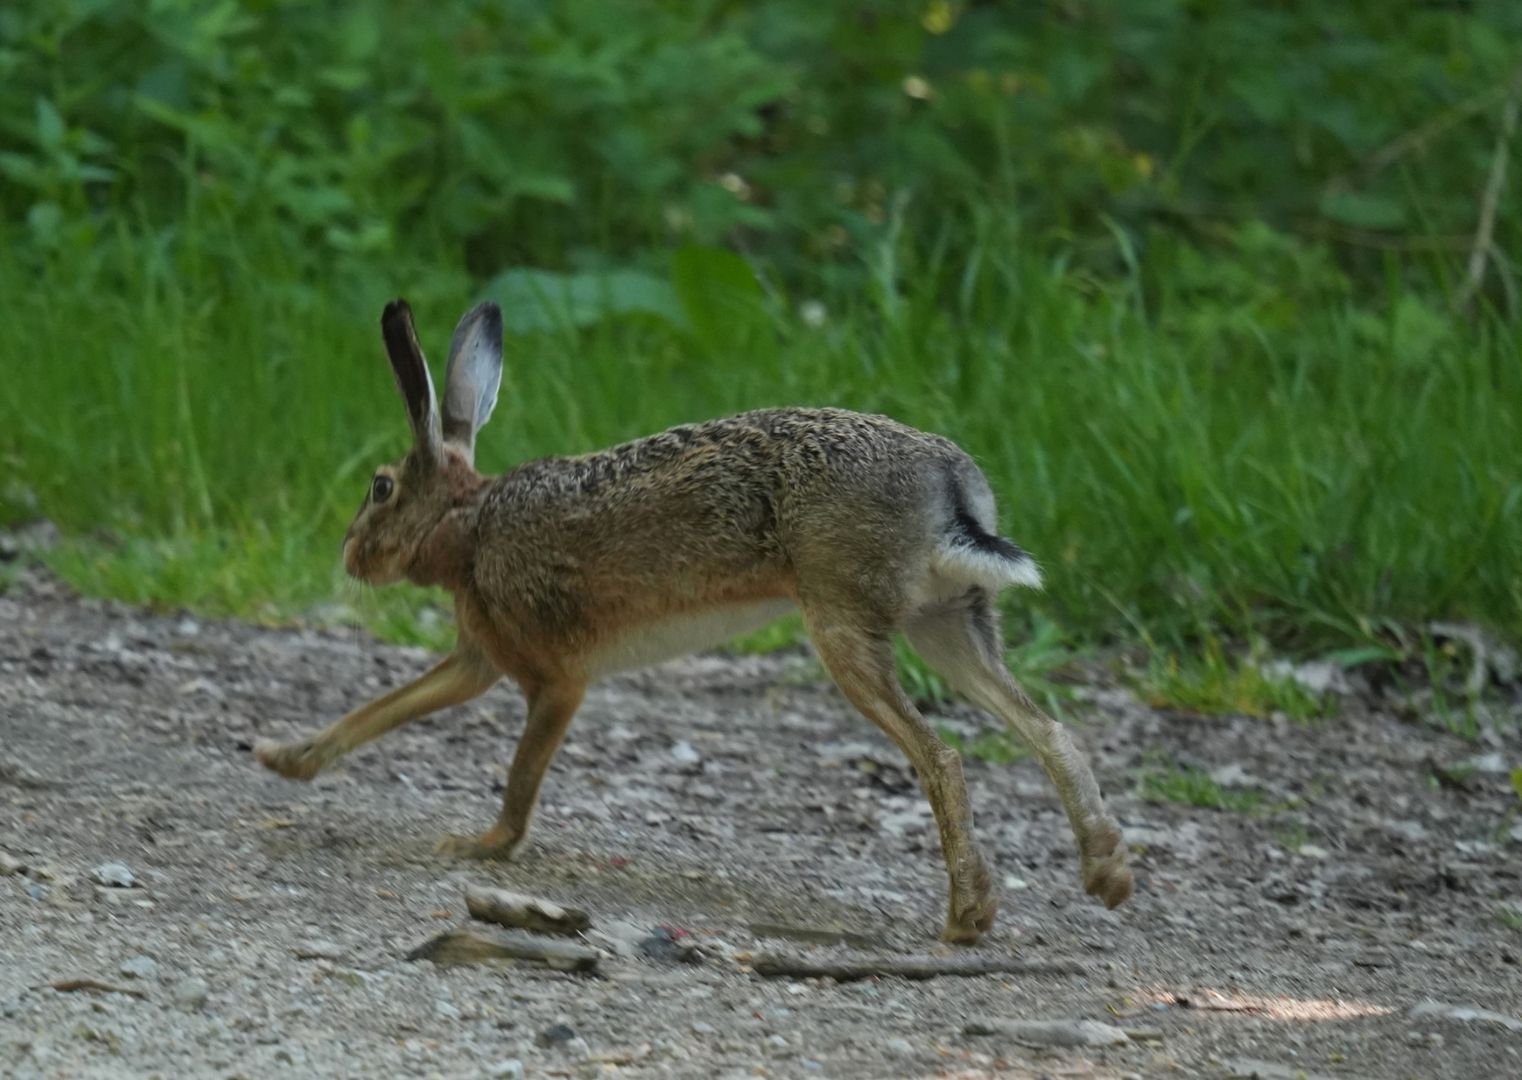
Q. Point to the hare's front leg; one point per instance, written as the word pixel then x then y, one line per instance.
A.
pixel 860 660
pixel 460 676
pixel 550 709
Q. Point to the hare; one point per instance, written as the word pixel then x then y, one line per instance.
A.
pixel 566 569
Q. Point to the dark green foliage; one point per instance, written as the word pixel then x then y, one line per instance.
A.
pixel 576 134
pixel 1179 274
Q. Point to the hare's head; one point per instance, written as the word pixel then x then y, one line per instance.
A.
pixel 405 527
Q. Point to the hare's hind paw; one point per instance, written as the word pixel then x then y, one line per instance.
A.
pixel 489 845
pixel 300 760
pixel 964 928
pixel 1106 875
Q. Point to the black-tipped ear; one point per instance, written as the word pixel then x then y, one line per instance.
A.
pixel 412 378
pixel 474 376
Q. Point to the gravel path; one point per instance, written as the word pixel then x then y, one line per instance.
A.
pixel 258 928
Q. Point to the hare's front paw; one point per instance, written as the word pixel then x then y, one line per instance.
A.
pixel 300 760
pixel 489 845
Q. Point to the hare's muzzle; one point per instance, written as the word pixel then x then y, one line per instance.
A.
pixel 351 564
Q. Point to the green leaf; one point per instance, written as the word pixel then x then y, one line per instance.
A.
pixel 1516 781
pixel 1362 211
pixel 719 293
pixel 1363 654
pixel 50 125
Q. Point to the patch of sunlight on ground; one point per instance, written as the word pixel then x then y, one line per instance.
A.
pixel 1272 1006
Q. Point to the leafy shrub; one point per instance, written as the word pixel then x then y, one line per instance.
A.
pixel 579 134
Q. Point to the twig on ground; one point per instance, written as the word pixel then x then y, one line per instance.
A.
pixel 94 986
pixel 848 969
pixel 528 912
pixel 458 947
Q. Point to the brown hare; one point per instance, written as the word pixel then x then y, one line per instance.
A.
pixel 566 569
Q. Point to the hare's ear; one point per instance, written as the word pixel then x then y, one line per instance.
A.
pixel 412 378
pixel 475 374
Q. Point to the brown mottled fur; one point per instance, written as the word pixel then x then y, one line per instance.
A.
pixel 566 568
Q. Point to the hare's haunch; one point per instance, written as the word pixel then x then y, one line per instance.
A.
pixel 565 569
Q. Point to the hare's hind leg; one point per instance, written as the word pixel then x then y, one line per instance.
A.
pixel 460 676
pixel 550 709
pixel 860 660
pixel 960 639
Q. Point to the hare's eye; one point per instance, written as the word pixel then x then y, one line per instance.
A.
pixel 380 490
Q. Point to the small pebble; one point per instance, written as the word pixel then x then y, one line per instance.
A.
pixel 555 1035
pixel 140 967
pixel 190 994
pixel 318 950
pixel 683 754
pixel 114 875
pixel 446 1009
pixel 506 1069
pixel 899 1048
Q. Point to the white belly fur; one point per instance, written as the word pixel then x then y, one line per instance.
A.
pixel 641 646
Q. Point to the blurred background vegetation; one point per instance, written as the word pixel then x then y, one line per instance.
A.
pixel 1222 293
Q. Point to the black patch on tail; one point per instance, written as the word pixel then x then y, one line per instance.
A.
pixel 966 532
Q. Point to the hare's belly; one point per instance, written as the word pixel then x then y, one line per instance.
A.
pixel 678 635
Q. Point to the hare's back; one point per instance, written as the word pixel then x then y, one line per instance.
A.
pixel 735 498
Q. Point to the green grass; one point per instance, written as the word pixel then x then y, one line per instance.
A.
pixel 1209 681
pixel 1192 787
pixel 200 413
pixel 993 746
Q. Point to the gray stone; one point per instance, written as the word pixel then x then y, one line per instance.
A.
pixel 506 1069
pixel 114 875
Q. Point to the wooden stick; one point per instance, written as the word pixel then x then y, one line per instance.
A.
pixel 1484 234
pixel 850 968
pixel 526 912
pixel 457 947
pixel 94 986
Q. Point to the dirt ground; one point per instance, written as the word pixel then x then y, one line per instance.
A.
pixel 264 928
